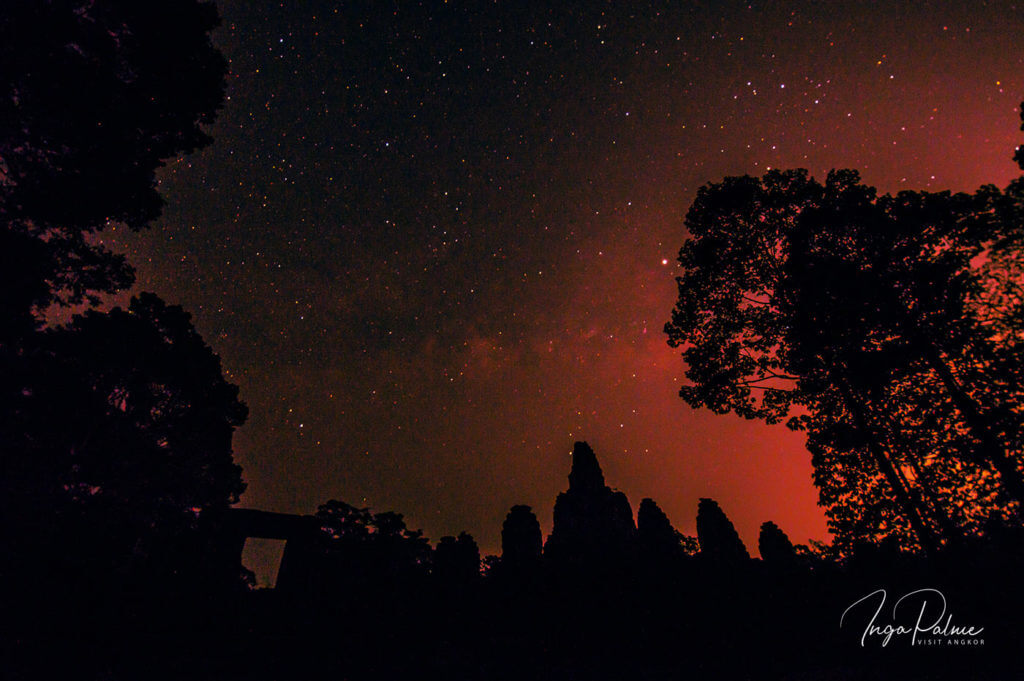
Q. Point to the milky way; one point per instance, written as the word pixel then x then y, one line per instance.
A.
pixel 436 245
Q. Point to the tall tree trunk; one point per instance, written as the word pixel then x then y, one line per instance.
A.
pixel 990 449
pixel 931 501
pixel 911 507
pixel 923 489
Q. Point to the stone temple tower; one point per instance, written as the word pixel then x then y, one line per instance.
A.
pixel 592 522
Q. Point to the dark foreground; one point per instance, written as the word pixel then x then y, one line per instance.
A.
pixel 694 619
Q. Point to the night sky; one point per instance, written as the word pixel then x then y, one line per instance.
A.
pixel 434 245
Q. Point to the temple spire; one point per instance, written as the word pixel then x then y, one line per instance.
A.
pixel 586 475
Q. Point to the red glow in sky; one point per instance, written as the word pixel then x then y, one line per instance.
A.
pixel 435 248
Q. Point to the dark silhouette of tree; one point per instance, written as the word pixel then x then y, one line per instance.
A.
pixel 521 540
pixel 97 95
pixel 718 539
pixel 490 566
pixel 774 545
pixel 457 559
pixel 901 268
pixel 690 546
pixel 121 436
pixel 855 318
pixel 116 428
pixel 365 549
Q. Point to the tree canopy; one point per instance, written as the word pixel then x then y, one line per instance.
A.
pixel 885 327
pixel 97 96
pixel 364 548
pixel 125 421
pixel 115 427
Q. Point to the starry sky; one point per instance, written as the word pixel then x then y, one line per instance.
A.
pixel 434 244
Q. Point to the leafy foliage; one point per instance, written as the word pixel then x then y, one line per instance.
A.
pixel 97 95
pixel 883 327
pixel 115 428
pixel 125 421
pixel 368 548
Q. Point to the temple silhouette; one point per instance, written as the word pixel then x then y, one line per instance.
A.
pixel 361 596
pixel 593 526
